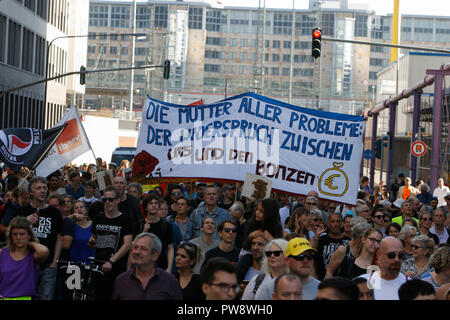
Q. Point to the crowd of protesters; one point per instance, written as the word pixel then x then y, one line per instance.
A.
pixel 197 241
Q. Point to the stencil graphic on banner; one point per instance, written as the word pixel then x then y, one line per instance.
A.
pixel 291 146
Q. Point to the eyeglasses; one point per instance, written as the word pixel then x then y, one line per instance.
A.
pixel 427 219
pixel 317 220
pixel 416 247
pixel 109 199
pixel 392 255
pixel 302 257
pixel 374 240
pixel 226 287
pixel 379 216
pixel 176 193
pixel 277 253
pixel 228 230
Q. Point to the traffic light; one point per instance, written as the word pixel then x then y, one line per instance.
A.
pixel 82 75
pixel 166 69
pixel 316 42
pixel 378 148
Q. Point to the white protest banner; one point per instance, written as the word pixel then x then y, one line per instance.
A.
pixel 299 149
pixel 72 143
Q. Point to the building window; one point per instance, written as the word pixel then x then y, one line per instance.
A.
pixel 286 58
pixel 120 16
pixel 212 68
pixel 286 71
pixel 141 51
pixel 142 17
pixel 243 56
pixel 39 61
pixel 215 20
pixel 302 45
pixel 275 57
pixel 276 44
pixel 232 42
pixel 124 50
pixel 286 44
pixel 378 62
pixel 14 44
pixel 361 28
pixel 2 38
pixel 27 50
pixel 327 24
pixel 275 71
pixel 98 16
pixel 372 75
pixel 112 50
pixel 30 4
pixel 282 23
pixel 244 43
pixel 195 18
pixel 161 16
pixel 42 9
pixel 214 41
pixel 307 23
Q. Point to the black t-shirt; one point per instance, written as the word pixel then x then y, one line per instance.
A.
pixel 225 206
pixel 109 233
pixel 233 255
pixel 193 291
pixel 165 234
pixel 327 246
pixel 69 227
pixel 130 206
pixel 49 226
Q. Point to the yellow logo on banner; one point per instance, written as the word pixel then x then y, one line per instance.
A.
pixel 334 181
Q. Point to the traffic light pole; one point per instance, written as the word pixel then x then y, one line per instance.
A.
pixel 165 65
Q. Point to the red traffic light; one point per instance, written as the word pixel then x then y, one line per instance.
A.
pixel 317 34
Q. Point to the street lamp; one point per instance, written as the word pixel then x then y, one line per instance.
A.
pixel 138 35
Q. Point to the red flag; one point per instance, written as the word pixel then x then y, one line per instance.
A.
pixel 196 103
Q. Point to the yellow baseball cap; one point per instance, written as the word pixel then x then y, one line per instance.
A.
pixel 297 246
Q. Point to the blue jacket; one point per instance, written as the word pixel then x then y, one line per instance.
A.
pixel 196 218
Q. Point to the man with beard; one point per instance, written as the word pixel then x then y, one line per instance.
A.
pixel 249 265
pixel 387 280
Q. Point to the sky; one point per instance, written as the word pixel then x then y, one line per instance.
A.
pixel 381 7
pixel 419 7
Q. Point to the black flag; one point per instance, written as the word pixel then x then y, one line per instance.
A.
pixel 26 146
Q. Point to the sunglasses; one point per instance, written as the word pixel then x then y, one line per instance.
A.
pixel 386 220
pixel 302 257
pixel 276 253
pixel 228 230
pixel 379 216
pixel 317 220
pixel 427 219
pixel 109 199
pixel 176 193
pixel 311 203
pixel 416 247
pixel 392 255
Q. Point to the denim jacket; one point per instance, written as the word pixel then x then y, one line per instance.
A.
pixel 196 218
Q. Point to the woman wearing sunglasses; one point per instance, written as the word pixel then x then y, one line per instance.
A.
pixel 273 265
pixel 425 222
pixel 186 257
pixel 378 216
pixel 418 264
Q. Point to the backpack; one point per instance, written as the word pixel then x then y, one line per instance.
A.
pixel 259 279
